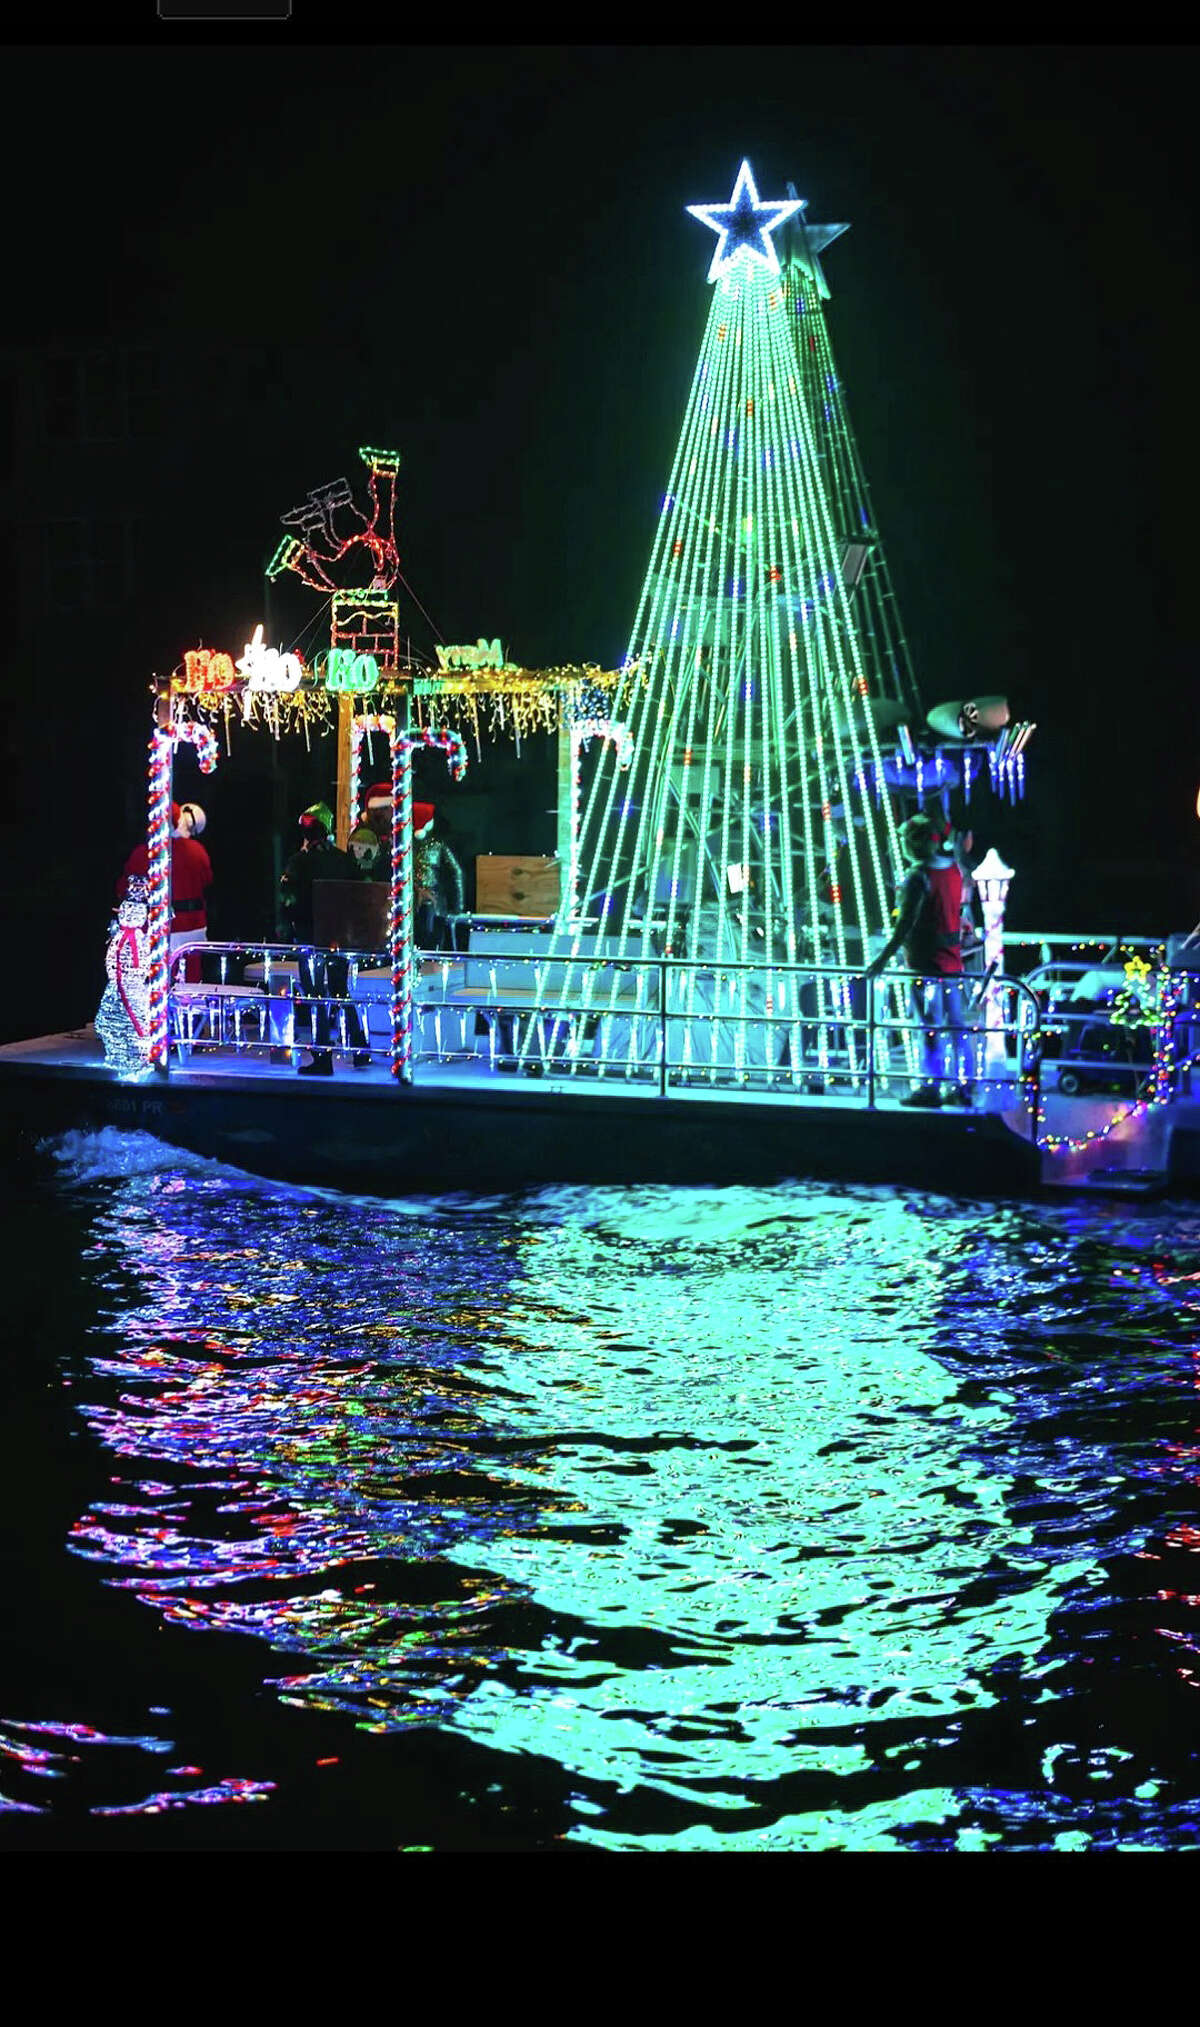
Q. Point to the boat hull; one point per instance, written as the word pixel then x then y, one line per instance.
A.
pixel 495 1137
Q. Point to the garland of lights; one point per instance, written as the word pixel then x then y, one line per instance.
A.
pixel 158 853
pixel 512 702
pixel 1162 1073
pixel 517 702
pixel 188 731
pixel 361 728
pixel 400 895
pixel 583 731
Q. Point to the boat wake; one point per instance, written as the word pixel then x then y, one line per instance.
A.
pixel 114 1154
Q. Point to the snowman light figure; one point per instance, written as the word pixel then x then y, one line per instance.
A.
pixel 123 1019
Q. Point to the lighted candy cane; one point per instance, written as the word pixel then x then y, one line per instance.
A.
pixel 582 730
pixel 400 944
pixel 359 727
pixel 158 855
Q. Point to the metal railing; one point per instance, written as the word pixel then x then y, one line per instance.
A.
pixel 673 1026
pixel 250 997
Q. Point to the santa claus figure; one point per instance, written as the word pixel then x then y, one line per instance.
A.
pixel 191 878
pixel 123 1018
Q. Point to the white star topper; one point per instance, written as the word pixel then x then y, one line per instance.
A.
pixel 745 225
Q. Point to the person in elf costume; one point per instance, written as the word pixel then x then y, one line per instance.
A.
pixel 123 1017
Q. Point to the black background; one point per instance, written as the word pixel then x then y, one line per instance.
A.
pixel 481 257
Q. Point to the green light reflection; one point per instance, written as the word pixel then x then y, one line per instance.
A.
pixel 793 1498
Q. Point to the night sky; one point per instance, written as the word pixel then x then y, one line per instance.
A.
pixel 489 248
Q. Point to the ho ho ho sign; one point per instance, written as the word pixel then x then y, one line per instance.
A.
pixel 207 671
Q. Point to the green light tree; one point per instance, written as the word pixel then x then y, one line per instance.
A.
pixel 757 821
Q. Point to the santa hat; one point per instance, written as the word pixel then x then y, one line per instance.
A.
pixel 175 815
pixel 422 818
pixel 193 811
pixel 377 796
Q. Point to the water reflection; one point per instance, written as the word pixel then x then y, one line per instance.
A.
pixel 745 1511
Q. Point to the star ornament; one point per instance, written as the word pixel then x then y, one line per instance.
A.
pixel 744 225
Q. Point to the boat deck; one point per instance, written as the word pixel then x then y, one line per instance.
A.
pixel 79 1053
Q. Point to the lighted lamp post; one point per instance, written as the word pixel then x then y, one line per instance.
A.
pixel 992 878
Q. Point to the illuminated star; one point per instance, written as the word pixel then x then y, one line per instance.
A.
pixel 744 225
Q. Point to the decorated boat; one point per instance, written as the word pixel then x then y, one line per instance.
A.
pixel 688 989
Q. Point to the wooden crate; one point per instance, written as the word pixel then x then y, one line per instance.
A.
pixel 350 914
pixel 515 886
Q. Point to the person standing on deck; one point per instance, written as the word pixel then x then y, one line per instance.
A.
pixel 437 883
pixel 191 878
pixel 929 926
pixel 323 976
pixel 437 877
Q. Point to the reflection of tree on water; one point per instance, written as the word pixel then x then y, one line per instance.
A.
pixel 809 1606
pixel 745 1509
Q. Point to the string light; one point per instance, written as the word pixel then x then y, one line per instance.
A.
pixel 1162 1076
pixel 761 658
pixel 207 672
pixel 158 862
pixel 361 728
pixel 348 673
pixel 744 226
pixel 518 702
pixel 266 668
pixel 163 742
pixel 400 896
pixel 583 731
pixel 318 545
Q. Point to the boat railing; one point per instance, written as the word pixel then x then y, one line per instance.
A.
pixel 239 998
pixel 668 1025
pixel 704 1027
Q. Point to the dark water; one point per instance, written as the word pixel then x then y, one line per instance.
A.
pixel 793 1519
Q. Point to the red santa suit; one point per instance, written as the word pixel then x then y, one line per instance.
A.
pixel 191 877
